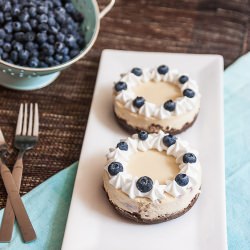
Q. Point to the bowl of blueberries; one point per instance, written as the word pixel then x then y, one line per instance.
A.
pixel 40 38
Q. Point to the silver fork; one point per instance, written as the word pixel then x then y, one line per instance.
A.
pixel 26 138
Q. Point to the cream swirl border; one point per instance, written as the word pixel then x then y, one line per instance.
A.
pixel 127 183
pixel 183 103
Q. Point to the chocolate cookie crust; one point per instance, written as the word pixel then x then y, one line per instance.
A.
pixel 137 217
pixel 153 128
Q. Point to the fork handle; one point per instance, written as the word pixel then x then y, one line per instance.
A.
pixel 8 219
pixel 22 217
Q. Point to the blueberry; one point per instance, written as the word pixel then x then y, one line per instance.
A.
pixel 30 36
pixel 17 26
pixel 60 37
pixel 16 10
pixel 114 168
pixel 66 58
pixel 60 10
pixel 8 16
pixel 65 51
pixel 169 105
pixel 69 7
pixel 138 101
pixel 60 18
pixel 30 46
pixel 57 3
pixel 1 52
pixel 169 140
pixel 26 26
pixel 49 60
pixel 43 18
pixel 7 47
pixel 78 17
pixel 58 57
pixel 143 135
pixel 51 39
pixel 163 69
pixel 34 53
pixel 81 41
pixel 14 56
pixel 1 43
pixel 182 179
pixel 59 46
pixel 136 71
pixel 33 23
pixel 23 55
pixel 48 49
pixel 51 21
pixel 42 9
pixel 4 55
pixel 189 93
pixel 144 184
pixel 122 146
pixel 119 86
pixel 74 52
pixel 33 62
pixel 41 37
pixel 17 46
pixel 183 79
pixel 2 34
pixel 43 27
pixel 8 27
pixel 70 41
pixel 50 4
pixel 43 65
pixel 32 11
pixel 54 29
pixel 1 18
pixel 189 158
pixel 9 61
pixel 7 6
pixel 19 36
pixel 8 38
pixel 23 17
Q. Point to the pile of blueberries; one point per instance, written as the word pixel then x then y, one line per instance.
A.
pixel 39 33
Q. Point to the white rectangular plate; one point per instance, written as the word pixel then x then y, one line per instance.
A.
pixel 92 222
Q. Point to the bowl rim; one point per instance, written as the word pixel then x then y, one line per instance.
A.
pixel 68 63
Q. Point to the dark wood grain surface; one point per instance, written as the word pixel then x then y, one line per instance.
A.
pixel 217 27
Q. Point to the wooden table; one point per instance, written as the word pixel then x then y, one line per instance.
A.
pixel 217 27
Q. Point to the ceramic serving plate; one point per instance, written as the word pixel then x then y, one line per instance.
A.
pixel 92 222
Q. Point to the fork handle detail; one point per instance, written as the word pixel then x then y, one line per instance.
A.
pixel 22 217
pixel 8 219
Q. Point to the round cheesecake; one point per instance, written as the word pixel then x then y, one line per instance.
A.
pixel 151 178
pixel 156 99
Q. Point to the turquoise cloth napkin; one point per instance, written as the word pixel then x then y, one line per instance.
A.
pixel 237 149
pixel 48 204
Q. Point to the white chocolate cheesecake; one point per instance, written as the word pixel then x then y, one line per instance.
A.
pixel 152 178
pixel 156 99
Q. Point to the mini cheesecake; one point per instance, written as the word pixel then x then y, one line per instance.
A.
pixel 151 178
pixel 156 99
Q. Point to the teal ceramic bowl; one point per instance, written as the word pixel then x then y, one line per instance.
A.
pixel 25 78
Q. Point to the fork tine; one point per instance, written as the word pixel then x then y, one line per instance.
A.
pixel 36 121
pixel 24 131
pixel 30 120
pixel 19 121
